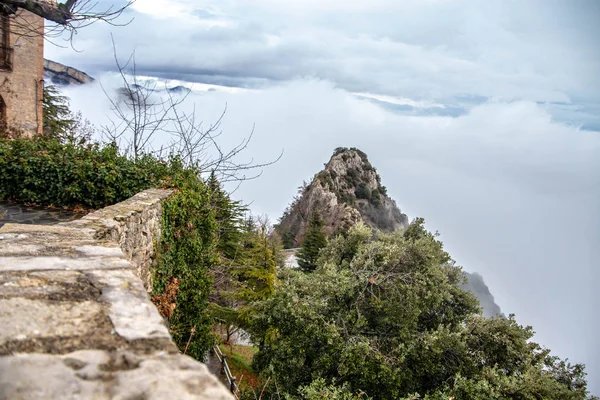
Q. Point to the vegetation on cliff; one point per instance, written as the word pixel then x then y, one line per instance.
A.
pixel 346 191
pixel 386 318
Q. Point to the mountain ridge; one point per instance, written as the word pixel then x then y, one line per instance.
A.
pixel 60 74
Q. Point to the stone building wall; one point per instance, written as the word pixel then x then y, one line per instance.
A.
pixel 21 78
pixel 75 319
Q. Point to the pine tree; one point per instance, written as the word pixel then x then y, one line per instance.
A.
pixel 229 215
pixel 257 275
pixel 58 119
pixel 314 241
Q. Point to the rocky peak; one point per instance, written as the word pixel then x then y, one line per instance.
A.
pixel 59 74
pixel 346 191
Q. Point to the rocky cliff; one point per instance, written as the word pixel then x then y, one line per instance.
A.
pixel 59 74
pixel 349 190
pixel 346 191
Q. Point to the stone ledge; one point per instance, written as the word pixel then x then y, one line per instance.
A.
pixel 135 224
pixel 96 374
pixel 75 318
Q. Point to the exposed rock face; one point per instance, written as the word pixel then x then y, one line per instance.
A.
pixel 59 74
pixel 348 190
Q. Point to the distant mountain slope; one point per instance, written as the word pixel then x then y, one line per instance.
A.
pixel 346 191
pixel 349 190
pixel 59 74
pixel 477 286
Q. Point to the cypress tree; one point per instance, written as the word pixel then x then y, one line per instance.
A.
pixel 314 241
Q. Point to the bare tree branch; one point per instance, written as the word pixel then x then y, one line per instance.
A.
pixel 68 16
pixel 141 112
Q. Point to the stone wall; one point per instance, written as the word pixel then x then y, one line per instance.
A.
pixel 21 83
pixel 135 224
pixel 75 319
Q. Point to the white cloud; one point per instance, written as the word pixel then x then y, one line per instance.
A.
pixel 425 51
pixel 514 194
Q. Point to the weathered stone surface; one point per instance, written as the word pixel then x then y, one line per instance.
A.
pixel 76 321
pixel 135 224
pixel 23 319
pixel 47 247
pixel 94 374
pixel 21 214
pixel 132 315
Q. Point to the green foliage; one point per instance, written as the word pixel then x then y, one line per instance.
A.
pixel 375 197
pixel 362 191
pixel 347 198
pixel 50 171
pixel 59 122
pixel 326 180
pixel 387 317
pixel 245 279
pixel 58 119
pixel 340 150
pixel 64 168
pixel 288 239
pixel 257 274
pixel 352 177
pixel 229 216
pixel 320 390
pixel 314 241
pixel 186 251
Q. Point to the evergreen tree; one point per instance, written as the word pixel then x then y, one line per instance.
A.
pixel 245 276
pixel 229 216
pixel 257 275
pixel 384 317
pixel 58 119
pixel 314 241
pixel 60 122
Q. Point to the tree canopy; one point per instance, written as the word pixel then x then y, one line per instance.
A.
pixel 386 318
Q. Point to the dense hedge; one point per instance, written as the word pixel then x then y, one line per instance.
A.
pixel 48 171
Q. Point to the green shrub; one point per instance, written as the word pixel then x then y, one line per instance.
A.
pixel 48 171
pixel 185 254
pixel 362 192
pixel 347 198
pixel 375 197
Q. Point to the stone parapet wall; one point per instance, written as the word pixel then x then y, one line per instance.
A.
pixel 75 318
pixel 135 224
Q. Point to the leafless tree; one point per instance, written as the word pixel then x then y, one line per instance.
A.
pixel 141 111
pixel 69 15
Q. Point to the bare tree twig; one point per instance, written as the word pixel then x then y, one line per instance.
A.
pixel 140 114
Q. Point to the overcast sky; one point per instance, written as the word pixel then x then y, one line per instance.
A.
pixel 481 117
